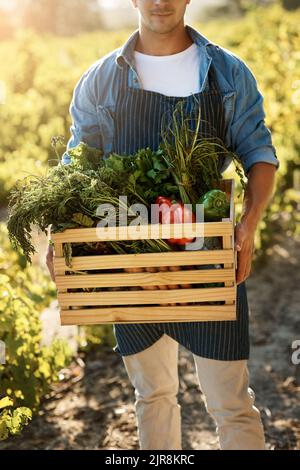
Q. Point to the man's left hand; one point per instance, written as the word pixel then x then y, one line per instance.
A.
pixel 244 245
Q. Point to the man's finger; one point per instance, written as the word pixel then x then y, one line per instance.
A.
pixel 241 267
pixel 49 263
pixel 51 270
pixel 238 244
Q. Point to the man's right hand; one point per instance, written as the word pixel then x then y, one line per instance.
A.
pixel 49 262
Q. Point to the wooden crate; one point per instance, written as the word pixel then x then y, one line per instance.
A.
pixel 148 306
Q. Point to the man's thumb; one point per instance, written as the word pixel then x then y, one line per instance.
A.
pixel 238 241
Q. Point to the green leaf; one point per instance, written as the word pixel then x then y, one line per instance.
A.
pixel 4 279
pixel 4 432
pixel 6 401
pixel 82 219
pixel 152 174
pixel 158 165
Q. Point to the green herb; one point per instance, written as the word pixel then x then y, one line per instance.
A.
pixel 68 196
pixel 193 160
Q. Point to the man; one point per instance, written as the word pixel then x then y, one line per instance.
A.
pixel 118 106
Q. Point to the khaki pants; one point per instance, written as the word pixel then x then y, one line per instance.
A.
pixel 154 375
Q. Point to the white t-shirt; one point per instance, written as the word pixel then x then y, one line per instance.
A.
pixel 171 75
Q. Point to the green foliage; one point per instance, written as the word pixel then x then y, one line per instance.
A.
pixel 12 421
pixel 194 161
pixel 95 336
pixel 56 198
pixel 29 369
pixel 85 157
pixel 146 175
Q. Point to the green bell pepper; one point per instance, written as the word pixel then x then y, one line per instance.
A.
pixel 216 206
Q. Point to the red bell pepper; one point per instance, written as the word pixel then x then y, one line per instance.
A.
pixel 174 212
pixel 164 204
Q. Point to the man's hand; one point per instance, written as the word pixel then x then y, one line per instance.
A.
pixel 244 245
pixel 256 198
pixel 49 262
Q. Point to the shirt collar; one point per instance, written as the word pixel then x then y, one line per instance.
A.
pixel 126 52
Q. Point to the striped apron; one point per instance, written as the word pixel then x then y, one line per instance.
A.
pixel 138 119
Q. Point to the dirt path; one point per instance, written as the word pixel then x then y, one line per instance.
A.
pixel 93 408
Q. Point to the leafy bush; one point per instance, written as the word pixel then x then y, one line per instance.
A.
pixel 29 369
pixel 12 421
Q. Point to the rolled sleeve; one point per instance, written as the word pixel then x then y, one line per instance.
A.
pixel 85 124
pixel 251 139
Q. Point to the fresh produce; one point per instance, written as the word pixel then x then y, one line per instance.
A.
pixel 215 205
pixel 162 205
pixel 145 175
pixel 193 161
pixel 68 197
pixel 174 212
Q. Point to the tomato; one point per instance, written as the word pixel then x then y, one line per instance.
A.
pixel 174 212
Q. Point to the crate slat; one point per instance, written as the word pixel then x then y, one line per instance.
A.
pixel 227 243
pixel 146 260
pixel 58 252
pixel 144 279
pixel 123 304
pixel 186 230
pixel 148 314
pixel 147 297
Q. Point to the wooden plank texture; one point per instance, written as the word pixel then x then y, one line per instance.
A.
pixel 143 260
pixel 144 279
pixel 148 314
pixel 119 306
pixel 146 297
pixel 186 230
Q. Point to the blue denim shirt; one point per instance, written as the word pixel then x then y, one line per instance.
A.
pixel 95 95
